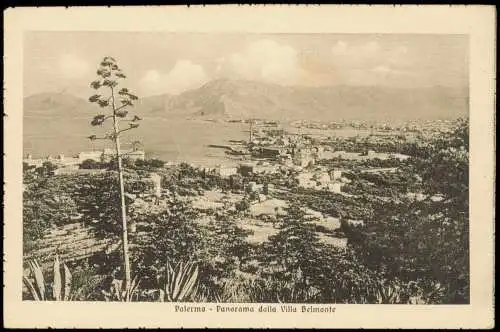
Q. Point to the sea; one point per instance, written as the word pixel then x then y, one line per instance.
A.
pixel 178 140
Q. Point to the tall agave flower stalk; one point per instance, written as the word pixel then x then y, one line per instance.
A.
pixel 117 102
pixel 41 291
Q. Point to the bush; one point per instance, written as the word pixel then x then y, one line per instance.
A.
pixel 47 202
pixel 92 164
pixel 149 163
pixel 46 169
pixel 242 205
pixel 425 241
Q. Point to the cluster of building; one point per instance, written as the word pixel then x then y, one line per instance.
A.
pixel 70 164
pixel 286 149
pixel 402 126
pixel 275 151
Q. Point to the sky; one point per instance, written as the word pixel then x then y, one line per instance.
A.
pixel 157 63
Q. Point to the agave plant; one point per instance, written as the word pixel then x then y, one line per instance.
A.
pixel 228 291
pixel 119 291
pixel 424 292
pixel 387 293
pixel 275 290
pixel 59 290
pixel 180 282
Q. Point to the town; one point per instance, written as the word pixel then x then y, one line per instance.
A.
pixel 271 162
pixel 269 211
pixel 338 183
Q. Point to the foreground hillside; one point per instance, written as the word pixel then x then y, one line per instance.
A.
pixel 278 236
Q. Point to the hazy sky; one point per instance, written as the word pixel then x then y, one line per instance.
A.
pixel 158 63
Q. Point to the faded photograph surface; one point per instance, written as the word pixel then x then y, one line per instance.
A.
pixel 246 168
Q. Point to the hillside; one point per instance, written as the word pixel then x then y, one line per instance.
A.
pixel 56 105
pixel 229 99
pixel 235 99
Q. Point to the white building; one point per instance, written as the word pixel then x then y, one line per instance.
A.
pixel 66 170
pixel 303 157
pixel 335 174
pixel 93 155
pixel 63 161
pixel 335 187
pixel 33 162
pixel 135 155
pixel 226 171
pixel 323 178
pixel 254 187
pixel 399 156
pixel 353 222
pixel 267 169
pixel 108 154
pixel 156 179
pixel 313 180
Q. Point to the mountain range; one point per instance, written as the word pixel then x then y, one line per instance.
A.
pixel 238 99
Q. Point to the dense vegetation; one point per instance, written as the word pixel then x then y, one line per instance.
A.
pixel 138 164
pixel 406 251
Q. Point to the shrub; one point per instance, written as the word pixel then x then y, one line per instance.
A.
pixel 46 169
pixel 92 164
pixel 119 291
pixel 47 202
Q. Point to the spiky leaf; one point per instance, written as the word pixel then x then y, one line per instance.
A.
pixel 180 281
pixel 57 284
pixel 32 289
pixel 67 283
pixel 36 270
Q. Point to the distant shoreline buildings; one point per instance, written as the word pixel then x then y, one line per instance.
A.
pixel 105 155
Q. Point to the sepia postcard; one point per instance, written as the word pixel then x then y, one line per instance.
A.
pixel 249 166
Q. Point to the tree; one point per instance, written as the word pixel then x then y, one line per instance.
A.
pixel 425 241
pixel 47 202
pixel 156 163
pixel 294 245
pixel 109 77
pixel 47 168
pixel 243 205
pixel 90 164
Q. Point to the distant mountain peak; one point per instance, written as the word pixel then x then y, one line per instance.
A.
pixel 54 103
pixel 242 99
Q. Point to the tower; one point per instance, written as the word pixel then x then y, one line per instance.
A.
pixel 251 130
